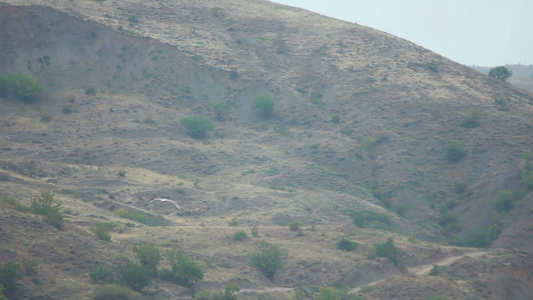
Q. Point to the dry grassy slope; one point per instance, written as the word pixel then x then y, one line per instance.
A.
pixel 296 167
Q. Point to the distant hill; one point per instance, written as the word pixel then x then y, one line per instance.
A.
pixel 380 158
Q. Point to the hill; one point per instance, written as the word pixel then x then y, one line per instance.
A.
pixel 371 137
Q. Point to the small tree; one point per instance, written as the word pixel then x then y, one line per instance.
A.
pixel 500 73
pixel 345 244
pixel 22 86
pixel 183 270
pixel 263 105
pixel 268 258
pixel 45 205
pixel 388 250
pixel 455 151
pixel 133 275
pixel 148 255
pixel 197 127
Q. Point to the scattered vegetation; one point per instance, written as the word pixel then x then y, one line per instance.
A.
pixel 263 105
pixel 295 226
pixel 90 91
pixel 111 291
pixel 369 219
pixel 102 232
pixel 142 217
pixel 267 259
pixel 196 127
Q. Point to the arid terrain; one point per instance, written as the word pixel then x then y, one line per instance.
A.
pixel 372 138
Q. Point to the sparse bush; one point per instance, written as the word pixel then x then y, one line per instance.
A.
pixel 102 233
pixel 387 249
pixel 90 91
pixel 345 244
pixel 470 120
pixel 295 226
pixel 240 235
pixel 21 86
pixel 221 110
pixel 504 200
pixel 495 228
pixel 432 68
pixel 45 205
pixel 121 173
pixel 437 270
pixel 29 266
pixel 183 270
pixel 196 127
pixel 455 151
pixel 316 99
pixel 102 274
pixel 14 202
pixel 267 258
pixel 255 232
pixel 263 105
pixel 335 119
pixel 67 109
pixel 233 222
pixel 460 187
pixel 148 255
pixel 47 118
pixel 115 292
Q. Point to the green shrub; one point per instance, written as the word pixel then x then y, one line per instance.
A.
pixel 477 238
pixel 10 272
pixel 500 73
pixel 263 105
pixel 196 127
pixel 295 226
pixel 267 258
pixel 316 99
pixel 45 205
pixel 387 249
pixel 47 118
pixel 369 219
pixel 240 235
pixel 432 68
pixel 455 151
pixel 23 87
pixel 335 119
pixel 133 275
pixel 102 274
pixel 233 222
pixel 504 200
pixel 115 292
pixel 470 120
pixel 345 244
pixel 148 255
pixel 142 217
pixel 183 270
pixel 102 233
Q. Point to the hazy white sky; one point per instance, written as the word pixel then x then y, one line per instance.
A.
pixel 471 32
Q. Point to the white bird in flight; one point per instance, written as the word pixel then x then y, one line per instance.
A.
pixel 166 200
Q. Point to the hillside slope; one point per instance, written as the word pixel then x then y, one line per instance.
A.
pixel 362 120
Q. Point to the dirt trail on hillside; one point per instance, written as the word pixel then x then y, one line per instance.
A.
pixel 418 270
pixel 424 269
